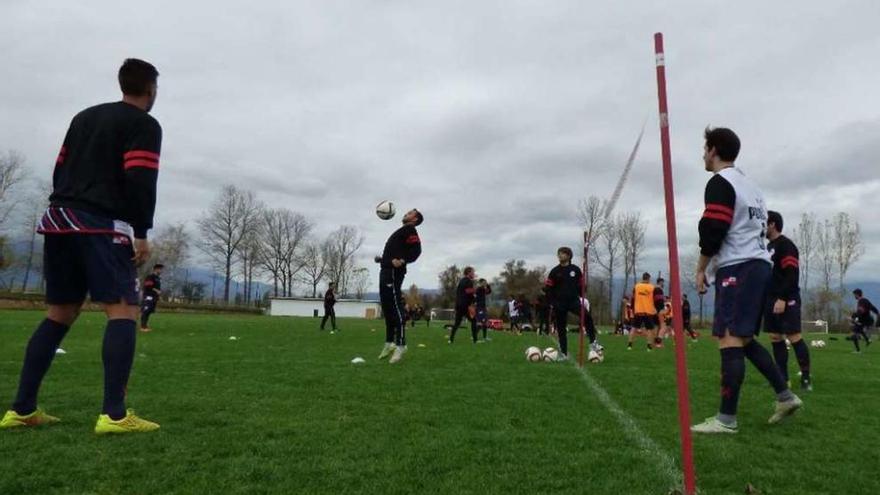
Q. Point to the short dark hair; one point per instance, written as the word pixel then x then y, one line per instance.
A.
pixel 468 269
pixel 775 218
pixel 136 76
pixel 332 284
pixel 858 292
pixel 159 266
pixel 725 142
pixel 420 217
pixel 660 279
pixel 566 250
pixel 646 276
pixel 482 280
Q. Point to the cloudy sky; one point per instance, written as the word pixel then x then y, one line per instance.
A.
pixel 492 117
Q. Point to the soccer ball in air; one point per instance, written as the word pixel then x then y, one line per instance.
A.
pixel 533 354
pixel 550 354
pixel 385 210
pixel 595 356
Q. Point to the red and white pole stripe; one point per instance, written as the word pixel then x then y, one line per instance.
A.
pixel 684 415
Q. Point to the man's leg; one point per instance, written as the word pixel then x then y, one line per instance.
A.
pixel 459 315
pixel 324 319
pixel 856 330
pixel 40 352
pixel 118 356
pixel 561 331
pixel 473 328
pixel 333 317
pixel 802 353
pixel 733 372
pixel 780 354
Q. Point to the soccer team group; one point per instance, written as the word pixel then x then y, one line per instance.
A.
pixel 103 202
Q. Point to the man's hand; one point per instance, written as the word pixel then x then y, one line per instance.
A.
pixel 377 259
pixel 701 282
pixel 397 263
pixel 141 251
pixel 779 307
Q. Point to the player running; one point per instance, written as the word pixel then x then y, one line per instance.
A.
pixel 465 298
pixel 732 232
pixel 862 319
pixel 402 248
pixel 152 289
pixel 645 313
pixel 782 312
pixel 563 289
pixel 101 207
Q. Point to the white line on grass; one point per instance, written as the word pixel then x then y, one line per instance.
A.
pixel 665 463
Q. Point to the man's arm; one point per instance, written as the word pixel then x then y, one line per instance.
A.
pixel 720 201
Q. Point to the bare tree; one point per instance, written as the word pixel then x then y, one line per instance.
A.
pixel 314 263
pixel 12 172
pixel 824 296
pixel 283 235
pixel 223 228
pixel 248 257
pixel 806 243
pixel 343 244
pixel 632 232
pixel 607 253
pixel 171 247
pixel 360 281
pixel 848 248
pixel 34 206
pixel 448 280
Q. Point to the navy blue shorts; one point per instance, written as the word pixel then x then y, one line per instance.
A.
pixel 787 323
pixel 644 321
pixel 740 295
pixel 99 265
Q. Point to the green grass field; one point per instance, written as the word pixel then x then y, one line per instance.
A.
pixel 282 410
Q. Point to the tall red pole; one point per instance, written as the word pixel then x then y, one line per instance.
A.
pixel 684 415
pixel 584 269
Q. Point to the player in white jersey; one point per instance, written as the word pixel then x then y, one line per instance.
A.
pixel 732 236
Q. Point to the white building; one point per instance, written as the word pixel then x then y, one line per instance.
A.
pixel 303 306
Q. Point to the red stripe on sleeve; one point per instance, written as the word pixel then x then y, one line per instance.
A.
pixel 141 163
pixel 141 154
pixel 719 208
pixel 718 216
pixel 790 261
pixel 413 239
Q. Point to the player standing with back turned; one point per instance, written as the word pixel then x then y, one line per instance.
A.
pixel 782 312
pixel 732 232
pixel 101 207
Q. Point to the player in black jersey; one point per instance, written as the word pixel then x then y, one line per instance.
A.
pixel 862 319
pixel 465 308
pixel 483 290
pixel 329 303
pixel 686 317
pixel 101 207
pixel 563 289
pixel 782 313
pixel 402 248
pixel 732 233
pixel 151 292
pixel 660 306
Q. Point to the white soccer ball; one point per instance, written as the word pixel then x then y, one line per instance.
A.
pixel 550 354
pixel 533 354
pixel 385 210
pixel 595 357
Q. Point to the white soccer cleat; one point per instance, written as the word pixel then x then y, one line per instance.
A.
pixel 785 409
pixel 387 350
pixel 712 425
pixel 398 354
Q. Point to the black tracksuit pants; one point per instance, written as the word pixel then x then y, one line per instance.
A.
pixel 391 298
pixel 461 312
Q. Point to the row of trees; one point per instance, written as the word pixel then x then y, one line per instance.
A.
pixel 238 235
pixel 242 236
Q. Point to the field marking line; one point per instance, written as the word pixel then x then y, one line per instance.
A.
pixel 656 455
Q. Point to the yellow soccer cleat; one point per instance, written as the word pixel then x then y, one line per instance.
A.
pixel 129 424
pixel 37 418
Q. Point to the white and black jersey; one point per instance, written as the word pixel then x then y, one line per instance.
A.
pixel 734 222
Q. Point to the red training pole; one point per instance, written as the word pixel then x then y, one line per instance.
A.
pixel 583 309
pixel 684 415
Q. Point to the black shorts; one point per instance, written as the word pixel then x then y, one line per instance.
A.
pixel 788 322
pixel 148 305
pixel 644 321
pixel 99 265
pixel 740 294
